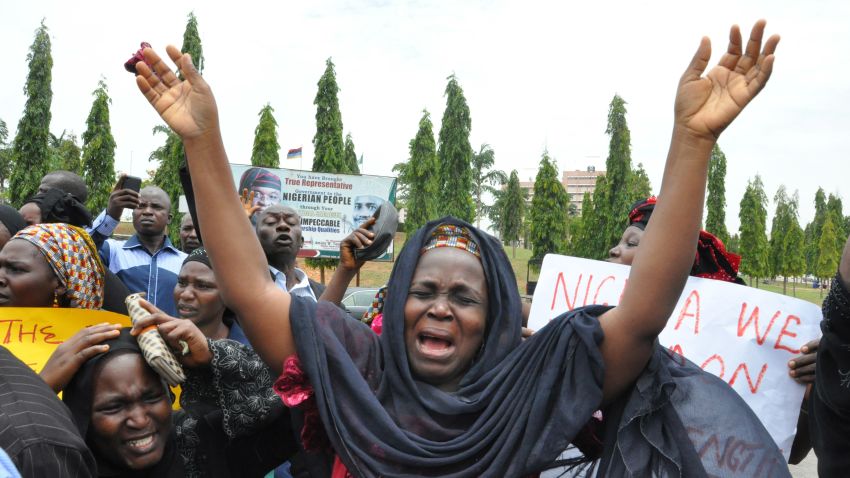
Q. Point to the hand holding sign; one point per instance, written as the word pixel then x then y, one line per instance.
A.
pixel 73 353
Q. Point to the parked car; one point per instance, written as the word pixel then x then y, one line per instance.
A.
pixel 358 300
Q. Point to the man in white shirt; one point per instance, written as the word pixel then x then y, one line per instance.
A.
pixel 279 231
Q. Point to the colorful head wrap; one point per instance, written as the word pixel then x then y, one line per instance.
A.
pixel 259 178
pixel 450 235
pixel 74 259
pixel 713 261
pixel 641 211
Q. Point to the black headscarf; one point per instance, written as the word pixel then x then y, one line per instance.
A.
pixel 12 219
pixel 515 410
pixel 641 211
pixel 79 396
pixel 58 206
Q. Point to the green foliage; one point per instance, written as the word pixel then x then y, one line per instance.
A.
pixel 484 179
pixel 192 44
pixel 455 155
pixel 329 152
pixel 266 152
pixel 417 178
pixel 783 220
pixel 715 221
pixel 99 150
pixel 639 185
pixel 350 156
pixel 581 239
pixel 5 158
pixel 754 248
pixel 828 253
pixel 734 244
pixel 512 210
pixel 795 262
pixel 30 153
pixel 614 192
pixel 548 215
pixel 813 231
pixel 65 153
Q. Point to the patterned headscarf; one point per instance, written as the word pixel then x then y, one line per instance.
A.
pixel 73 257
pixel 641 211
pixel 449 235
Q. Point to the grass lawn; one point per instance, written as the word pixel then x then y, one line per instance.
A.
pixel 804 291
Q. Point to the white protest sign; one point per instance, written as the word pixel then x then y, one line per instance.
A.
pixel 743 335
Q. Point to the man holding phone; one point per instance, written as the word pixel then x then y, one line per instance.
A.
pixel 147 262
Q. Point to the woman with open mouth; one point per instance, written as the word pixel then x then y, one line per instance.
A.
pixel 449 387
pixel 228 425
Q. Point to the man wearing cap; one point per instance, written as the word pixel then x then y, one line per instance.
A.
pixel 265 185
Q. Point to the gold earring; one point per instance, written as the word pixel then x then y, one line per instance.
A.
pixel 55 300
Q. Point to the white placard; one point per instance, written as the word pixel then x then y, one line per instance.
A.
pixel 743 335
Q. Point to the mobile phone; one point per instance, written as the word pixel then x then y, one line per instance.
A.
pixel 132 182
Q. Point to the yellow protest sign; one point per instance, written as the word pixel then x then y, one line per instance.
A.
pixel 33 333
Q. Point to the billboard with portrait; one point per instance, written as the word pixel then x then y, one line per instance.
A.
pixel 331 206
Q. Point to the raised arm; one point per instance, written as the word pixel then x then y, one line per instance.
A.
pixel 704 107
pixel 189 108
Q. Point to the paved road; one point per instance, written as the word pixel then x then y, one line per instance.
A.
pixel 807 469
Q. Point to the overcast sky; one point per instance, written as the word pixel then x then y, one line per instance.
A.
pixel 536 74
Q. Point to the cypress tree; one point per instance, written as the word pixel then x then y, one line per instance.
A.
pixel 5 158
pixel 328 146
pixel 795 264
pixel 170 155
pixel 639 185
pixel 329 150
pixel 455 155
pixel 418 178
pixel 484 179
pixel 754 246
pixel 715 221
pixel 512 211
pixel 611 198
pixel 828 253
pixel 784 220
pixel 192 43
pixel 99 150
pixel 30 153
pixel 813 231
pixel 266 151
pixel 548 214
pixel 350 156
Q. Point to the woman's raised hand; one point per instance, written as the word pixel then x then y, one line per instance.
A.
pixel 706 105
pixel 188 106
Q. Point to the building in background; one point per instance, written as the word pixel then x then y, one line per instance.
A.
pixel 575 182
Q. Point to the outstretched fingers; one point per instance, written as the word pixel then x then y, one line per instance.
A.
pixel 699 62
pixel 734 51
pixel 753 48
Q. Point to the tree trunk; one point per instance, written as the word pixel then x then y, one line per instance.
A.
pixel 784 285
pixel 794 287
pixel 322 273
pixel 514 248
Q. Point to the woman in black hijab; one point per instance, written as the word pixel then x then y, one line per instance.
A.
pixel 448 388
pixel 11 222
pixel 229 424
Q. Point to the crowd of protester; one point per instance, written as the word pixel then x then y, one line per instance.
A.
pixel 438 379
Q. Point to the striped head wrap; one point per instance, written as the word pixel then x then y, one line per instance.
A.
pixel 449 235
pixel 74 259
